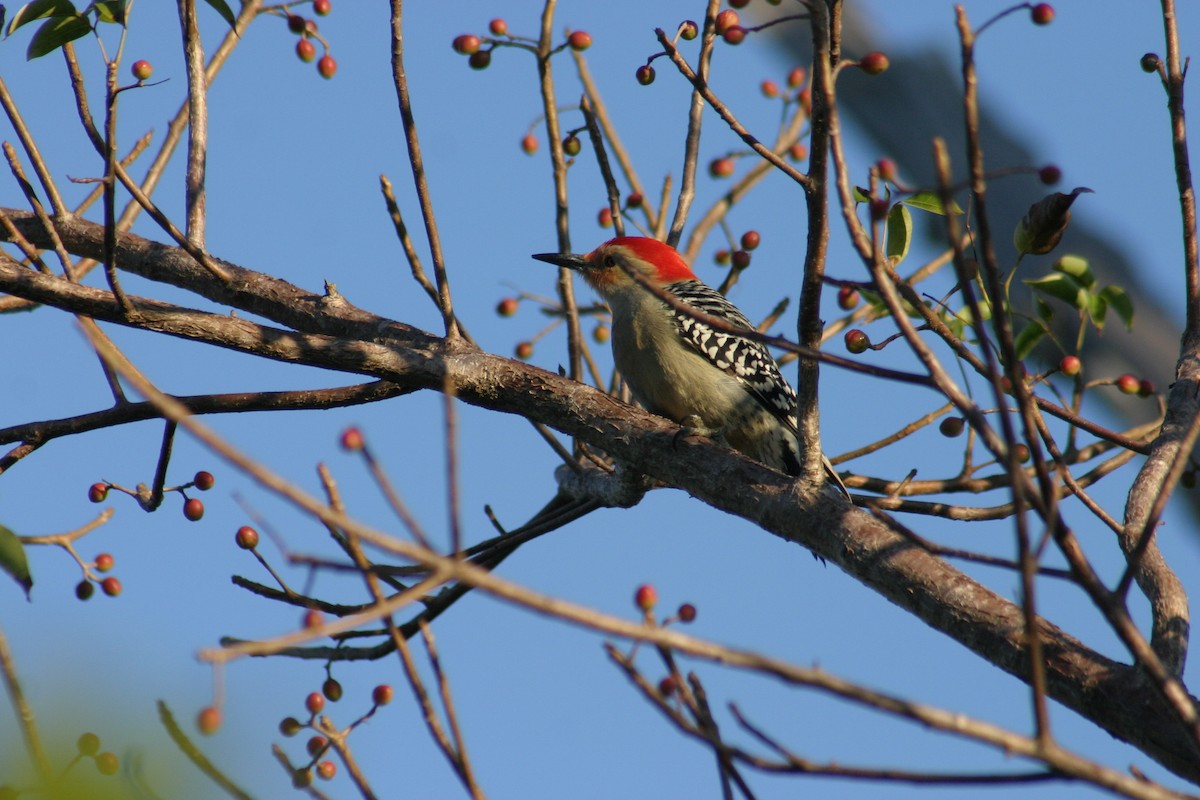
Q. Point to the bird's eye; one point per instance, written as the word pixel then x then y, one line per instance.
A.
pixel 610 261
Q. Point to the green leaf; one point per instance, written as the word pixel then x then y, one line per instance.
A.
pixel 56 32
pixel 12 559
pixel 40 9
pixel 931 202
pixel 1064 287
pixel 1078 268
pixel 1044 309
pixel 1097 310
pixel 861 195
pixel 224 10
pixel 112 11
pixel 1120 303
pixel 899 233
pixel 1028 338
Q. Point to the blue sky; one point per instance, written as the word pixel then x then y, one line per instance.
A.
pixel 293 191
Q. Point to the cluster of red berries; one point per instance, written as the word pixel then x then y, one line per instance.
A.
pixel 645 598
pixel 306 51
pixel 480 57
pixel 739 258
pixel 317 745
pixel 110 585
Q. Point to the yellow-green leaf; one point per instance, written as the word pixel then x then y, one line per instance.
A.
pixel 1028 338
pixel 1119 302
pixel 1078 268
pixel 224 10
pixel 12 559
pixel 931 202
pixel 1064 287
pixel 899 233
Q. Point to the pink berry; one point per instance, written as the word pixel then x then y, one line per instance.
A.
pixel 141 69
pixel 726 20
pixel 857 341
pixel 306 50
pixel 645 75
pixel 498 27
pixel 208 720
pixel 246 537
pixel 322 7
pixel 529 144
pixel 353 439
pixel 579 41
pixel 1042 14
pixel 646 597
pixel 466 44
pixel 874 63
pixel 1128 384
pixel 193 509
pixel 1070 366
pixel 326 67
pixel 1049 174
pixel 847 298
pixel 382 694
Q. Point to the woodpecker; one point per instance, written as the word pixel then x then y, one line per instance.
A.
pixel 680 368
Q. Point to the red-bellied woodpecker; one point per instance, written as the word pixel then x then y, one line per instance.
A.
pixel 680 368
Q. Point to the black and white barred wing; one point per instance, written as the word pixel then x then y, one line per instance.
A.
pixel 748 361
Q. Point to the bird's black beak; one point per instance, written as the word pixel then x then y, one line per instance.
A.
pixel 568 260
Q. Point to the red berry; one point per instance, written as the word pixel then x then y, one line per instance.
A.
pixel 289 726
pixel 326 770
pixel 741 259
pixel 857 341
pixel 1042 14
pixel 498 27
pixel 667 686
pixel 797 152
pixel 352 439
pixel 804 98
pixel 98 492
pixel 332 690
pixel 601 334
pixel 310 27
pixel 316 745
pixel 879 209
pixel 579 41
pixel 312 619
pixel 141 69
pixel 1128 384
pixel 874 63
pixel 751 240
pixel 687 612
pixel 721 167
pixel 524 350
pixel 88 744
pixel 738 3
pixel 795 78
pixel 1150 62
pixel 726 20
pixel 382 694
pixel 466 44
pixel 295 23
pixel 322 7
pixel 634 200
pixel 104 562
pixel 847 298
pixel 246 537
pixel 111 586
pixel 604 218
pixel 1049 174
pixel 204 480
pixel 480 60
pixel 326 67
pixel 645 75
pixel 886 169
pixel 208 720
pixel 1070 366
pixel 1021 452
pixel 107 763
pixel 529 144
pixel 571 145
pixel 952 427
pixel 769 88
pixel 734 34
pixel 314 702
pixel 85 589
pixel 1145 388
pixel 688 30
pixel 508 306
pixel 306 50
pixel 193 509
pixel 646 597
